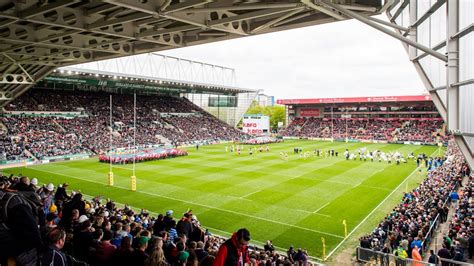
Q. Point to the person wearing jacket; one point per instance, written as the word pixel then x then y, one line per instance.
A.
pixel 54 255
pixel 234 251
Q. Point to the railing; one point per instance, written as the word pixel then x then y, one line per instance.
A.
pixel 371 257
pixel 429 235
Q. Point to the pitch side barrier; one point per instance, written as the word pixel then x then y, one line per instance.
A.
pixel 371 257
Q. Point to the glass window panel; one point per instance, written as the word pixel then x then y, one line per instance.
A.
pixel 466 13
pixel 466 110
pixel 466 55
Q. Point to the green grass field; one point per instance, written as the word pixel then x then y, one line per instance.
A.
pixel 294 202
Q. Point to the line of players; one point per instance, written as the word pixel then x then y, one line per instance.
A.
pixel 389 157
pixel 239 148
pixel 362 154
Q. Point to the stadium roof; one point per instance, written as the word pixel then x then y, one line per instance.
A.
pixel 79 76
pixel 38 36
pixel 373 99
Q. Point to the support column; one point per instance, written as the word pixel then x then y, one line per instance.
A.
pixel 412 31
pixel 452 71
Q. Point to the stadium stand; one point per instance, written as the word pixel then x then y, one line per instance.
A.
pixel 385 130
pixel 98 232
pixel 49 123
pixel 411 222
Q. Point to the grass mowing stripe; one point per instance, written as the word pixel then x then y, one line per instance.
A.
pixel 289 193
pixel 202 205
pixel 388 196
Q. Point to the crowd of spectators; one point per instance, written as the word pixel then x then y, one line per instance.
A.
pixel 406 228
pixel 458 243
pixel 159 119
pixel 425 131
pixel 60 227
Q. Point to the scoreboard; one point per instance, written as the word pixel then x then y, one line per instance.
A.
pixel 256 124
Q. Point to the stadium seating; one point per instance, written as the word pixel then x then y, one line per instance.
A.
pixel 402 129
pixel 94 225
pixel 86 128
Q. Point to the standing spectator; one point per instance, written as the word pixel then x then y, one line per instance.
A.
pixel 61 194
pixel 168 218
pixel 20 236
pixel 159 225
pixel 234 251
pixel 300 257
pixel 444 254
pixel 433 258
pixel 415 255
pixel 184 225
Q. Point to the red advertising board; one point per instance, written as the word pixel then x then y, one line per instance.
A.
pixel 310 112
pixel 410 98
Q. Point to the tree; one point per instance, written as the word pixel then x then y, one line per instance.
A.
pixel 276 113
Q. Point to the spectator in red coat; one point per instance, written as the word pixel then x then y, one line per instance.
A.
pixel 234 251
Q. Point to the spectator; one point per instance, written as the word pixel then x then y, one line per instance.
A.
pixel 269 246
pixel 234 251
pixel 53 255
pixel 105 250
pixel 138 255
pixel 19 229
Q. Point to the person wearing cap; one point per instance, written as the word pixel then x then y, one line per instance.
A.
pixel 139 255
pixel 47 197
pixel 234 251
pixel 34 184
pixel 168 218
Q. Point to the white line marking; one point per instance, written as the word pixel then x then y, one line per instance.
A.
pixel 320 208
pixel 250 194
pixel 202 205
pixel 366 217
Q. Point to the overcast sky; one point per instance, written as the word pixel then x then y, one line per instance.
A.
pixel 332 60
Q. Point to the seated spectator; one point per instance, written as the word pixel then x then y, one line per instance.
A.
pixel 53 255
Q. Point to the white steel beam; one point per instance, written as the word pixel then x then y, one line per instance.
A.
pixel 385 30
pixel 452 69
pixel 184 5
pixel 386 23
pixel 37 10
pixel 399 11
pixel 250 15
pixel 321 9
pixel 276 20
pixel 241 7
